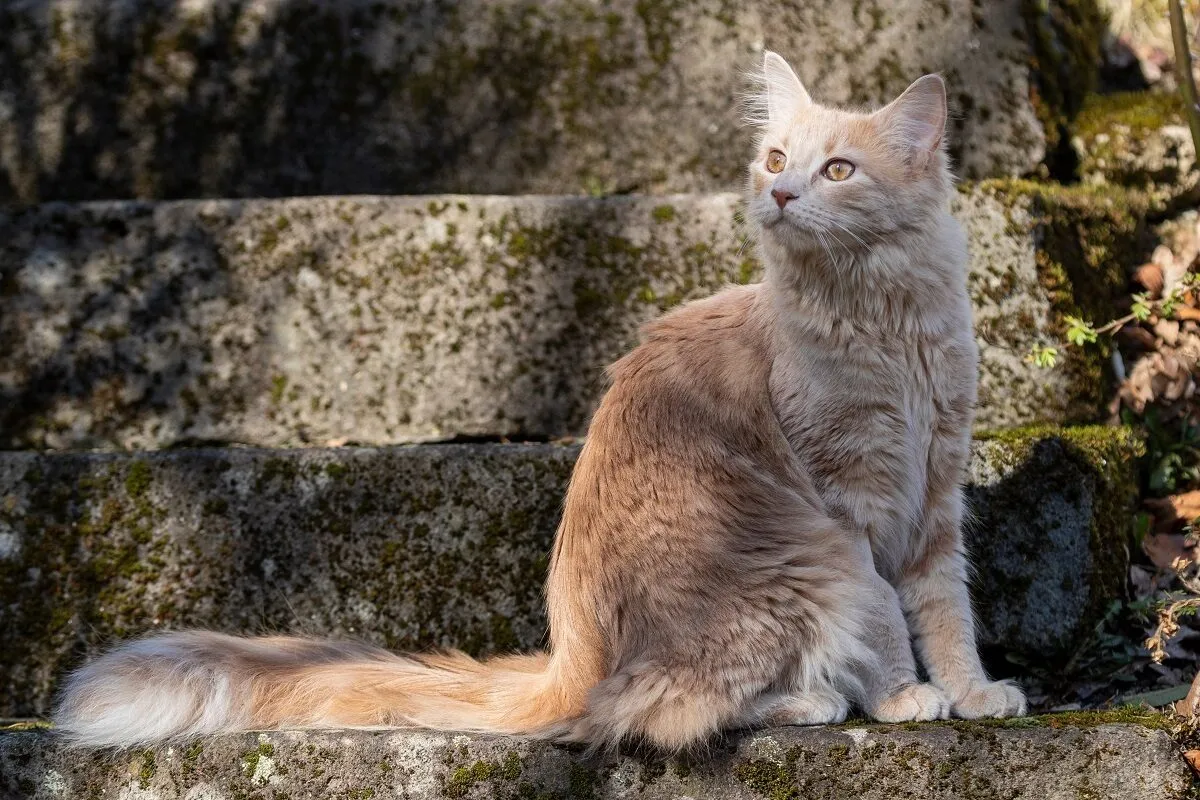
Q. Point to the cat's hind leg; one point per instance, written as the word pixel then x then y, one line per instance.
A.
pixel 820 707
pixel 670 709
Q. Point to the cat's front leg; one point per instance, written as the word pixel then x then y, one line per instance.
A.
pixel 933 592
pixel 893 692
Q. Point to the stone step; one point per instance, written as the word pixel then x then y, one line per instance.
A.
pixel 387 320
pixel 447 545
pixel 1138 139
pixel 1063 757
pixel 237 98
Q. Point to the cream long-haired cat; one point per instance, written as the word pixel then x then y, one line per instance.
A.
pixel 765 515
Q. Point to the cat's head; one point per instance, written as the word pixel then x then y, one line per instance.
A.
pixel 824 179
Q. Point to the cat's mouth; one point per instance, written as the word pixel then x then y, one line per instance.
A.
pixel 776 218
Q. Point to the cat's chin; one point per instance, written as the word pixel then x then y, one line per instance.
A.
pixel 785 229
pixel 791 237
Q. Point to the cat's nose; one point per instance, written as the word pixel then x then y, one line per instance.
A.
pixel 782 196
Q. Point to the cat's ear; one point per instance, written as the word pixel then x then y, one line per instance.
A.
pixel 783 92
pixel 917 118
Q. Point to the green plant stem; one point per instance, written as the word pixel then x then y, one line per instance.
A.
pixel 1183 69
pixel 1116 324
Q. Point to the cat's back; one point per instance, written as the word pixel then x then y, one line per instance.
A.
pixel 714 350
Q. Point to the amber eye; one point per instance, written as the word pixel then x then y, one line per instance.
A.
pixel 776 161
pixel 838 169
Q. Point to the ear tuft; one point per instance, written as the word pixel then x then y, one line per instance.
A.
pixel 783 95
pixel 918 116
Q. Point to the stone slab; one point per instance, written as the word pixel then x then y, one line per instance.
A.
pixel 447 545
pixel 387 320
pixel 1032 759
pixel 1138 139
pixel 243 98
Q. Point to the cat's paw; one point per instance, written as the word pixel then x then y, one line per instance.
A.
pixel 812 709
pixel 994 699
pixel 916 702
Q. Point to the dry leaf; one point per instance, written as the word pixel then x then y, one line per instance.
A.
pixel 1165 550
pixel 1178 509
pixel 1168 331
pixel 1150 277
pixel 1192 757
pixel 1137 336
pixel 1187 707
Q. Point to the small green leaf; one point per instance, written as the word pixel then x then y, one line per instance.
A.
pixel 1079 332
pixel 1162 477
pixel 1169 303
pixel 1141 526
pixel 1042 356
pixel 1141 307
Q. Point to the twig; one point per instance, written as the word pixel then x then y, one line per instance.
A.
pixel 1116 324
pixel 1183 69
pixel 1168 626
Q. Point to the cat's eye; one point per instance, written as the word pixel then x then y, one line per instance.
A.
pixel 838 169
pixel 776 161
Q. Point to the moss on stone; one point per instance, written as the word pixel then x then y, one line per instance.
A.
pixel 663 213
pixel 137 479
pixel 769 778
pixel 1120 140
pixel 191 755
pixel 1139 112
pixel 278 386
pixel 510 766
pixel 146 769
pixel 1091 718
pixel 463 779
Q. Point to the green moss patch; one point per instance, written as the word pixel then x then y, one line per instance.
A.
pixel 1139 112
pixel 1123 139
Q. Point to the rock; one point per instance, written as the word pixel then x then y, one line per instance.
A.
pixel 1139 140
pixel 386 320
pixel 244 98
pixel 447 545
pixel 1052 510
pixel 1048 758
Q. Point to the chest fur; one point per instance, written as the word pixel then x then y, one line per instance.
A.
pixel 878 428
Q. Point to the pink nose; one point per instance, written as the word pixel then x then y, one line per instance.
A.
pixel 782 196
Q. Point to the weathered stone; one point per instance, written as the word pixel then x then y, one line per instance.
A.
pixel 1045 758
pixel 385 320
pixel 445 545
pixel 1137 139
pixel 1050 533
pixel 1066 42
pixel 236 98
pixel 1049 251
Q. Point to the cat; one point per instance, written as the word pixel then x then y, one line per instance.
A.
pixel 765 515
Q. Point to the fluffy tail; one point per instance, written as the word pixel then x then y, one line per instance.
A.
pixel 183 684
